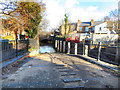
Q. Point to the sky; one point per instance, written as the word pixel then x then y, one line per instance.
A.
pixel 83 10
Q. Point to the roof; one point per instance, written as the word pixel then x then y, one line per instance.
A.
pixel 84 24
pixel 73 26
pixel 117 31
pixel 97 23
pixel 89 23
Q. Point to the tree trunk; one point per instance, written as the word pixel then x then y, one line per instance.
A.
pixel 38 42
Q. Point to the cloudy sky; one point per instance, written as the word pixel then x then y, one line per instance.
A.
pixel 83 10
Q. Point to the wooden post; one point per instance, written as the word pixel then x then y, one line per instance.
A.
pixel 60 45
pixel 117 56
pixel 75 48
pixel 86 50
pixel 64 46
pixel 83 48
pixel 16 47
pixel 68 48
pixel 99 51
pixel 55 44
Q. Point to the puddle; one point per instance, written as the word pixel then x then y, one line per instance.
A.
pixel 46 49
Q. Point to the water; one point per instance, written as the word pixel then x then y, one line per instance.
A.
pixel 46 49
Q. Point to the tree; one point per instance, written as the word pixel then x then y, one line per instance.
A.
pixel 30 15
pixel 66 23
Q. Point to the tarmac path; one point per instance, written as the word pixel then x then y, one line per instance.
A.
pixel 57 70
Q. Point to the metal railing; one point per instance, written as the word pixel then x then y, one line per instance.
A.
pixel 13 48
pixel 98 51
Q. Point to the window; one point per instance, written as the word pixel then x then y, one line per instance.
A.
pixel 80 28
pixel 100 28
pixel 93 28
pixel 87 29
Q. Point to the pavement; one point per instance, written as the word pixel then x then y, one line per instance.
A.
pixel 36 73
pixel 98 62
pixel 53 70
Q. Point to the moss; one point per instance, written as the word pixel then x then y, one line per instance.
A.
pixel 18 60
pixel 119 66
pixel 25 58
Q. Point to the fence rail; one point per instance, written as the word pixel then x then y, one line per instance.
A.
pixel 12 48
pixel 100 52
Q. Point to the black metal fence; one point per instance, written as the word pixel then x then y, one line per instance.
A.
pixel 98 51
pixel 12 48
pixel 105 53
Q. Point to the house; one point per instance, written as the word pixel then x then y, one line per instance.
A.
pixel 95 31
pixel 9 32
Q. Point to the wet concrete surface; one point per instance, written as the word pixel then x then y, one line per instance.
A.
pixel 43 71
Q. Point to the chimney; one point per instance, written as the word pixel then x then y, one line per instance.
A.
pixel 105 20
pixel 92 21
pixel 78 23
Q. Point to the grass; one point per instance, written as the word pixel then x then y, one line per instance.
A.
pixel 18 60
pixel 119 67
pixel 118 72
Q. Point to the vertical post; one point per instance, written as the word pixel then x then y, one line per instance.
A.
pixel 117 54
pixel 60 45
pixel 18 32
pixel 16 47
pixel 68 48
pixel 86 50
pixel 55 44
pixel 64 46
pixel 83 48
pixel 27 44
pixel 99 51
pixel 75 48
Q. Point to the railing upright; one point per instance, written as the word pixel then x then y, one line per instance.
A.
pixel 99 51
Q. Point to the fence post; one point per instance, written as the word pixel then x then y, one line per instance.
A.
pixel 83 48
pixel 57 45
pixel 64 46
pixel 86 50
pixel 99 51
pixel 68 48
pixel 60 45
pixel 16 47
pixel 75 48
pixel 117 54
pixel 27 44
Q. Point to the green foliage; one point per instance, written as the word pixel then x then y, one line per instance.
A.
pixel 119 66
pixel 18 60
pixel 25 58
pixel 66 23
pixel 31 13
pixel 66 36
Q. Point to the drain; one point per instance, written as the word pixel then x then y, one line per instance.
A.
pixel 72 80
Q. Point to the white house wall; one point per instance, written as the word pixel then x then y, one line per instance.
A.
pixel 103 28
pixel 105 38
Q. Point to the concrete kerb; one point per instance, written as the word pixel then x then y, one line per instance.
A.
pixel 95 62
pixel 15 59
